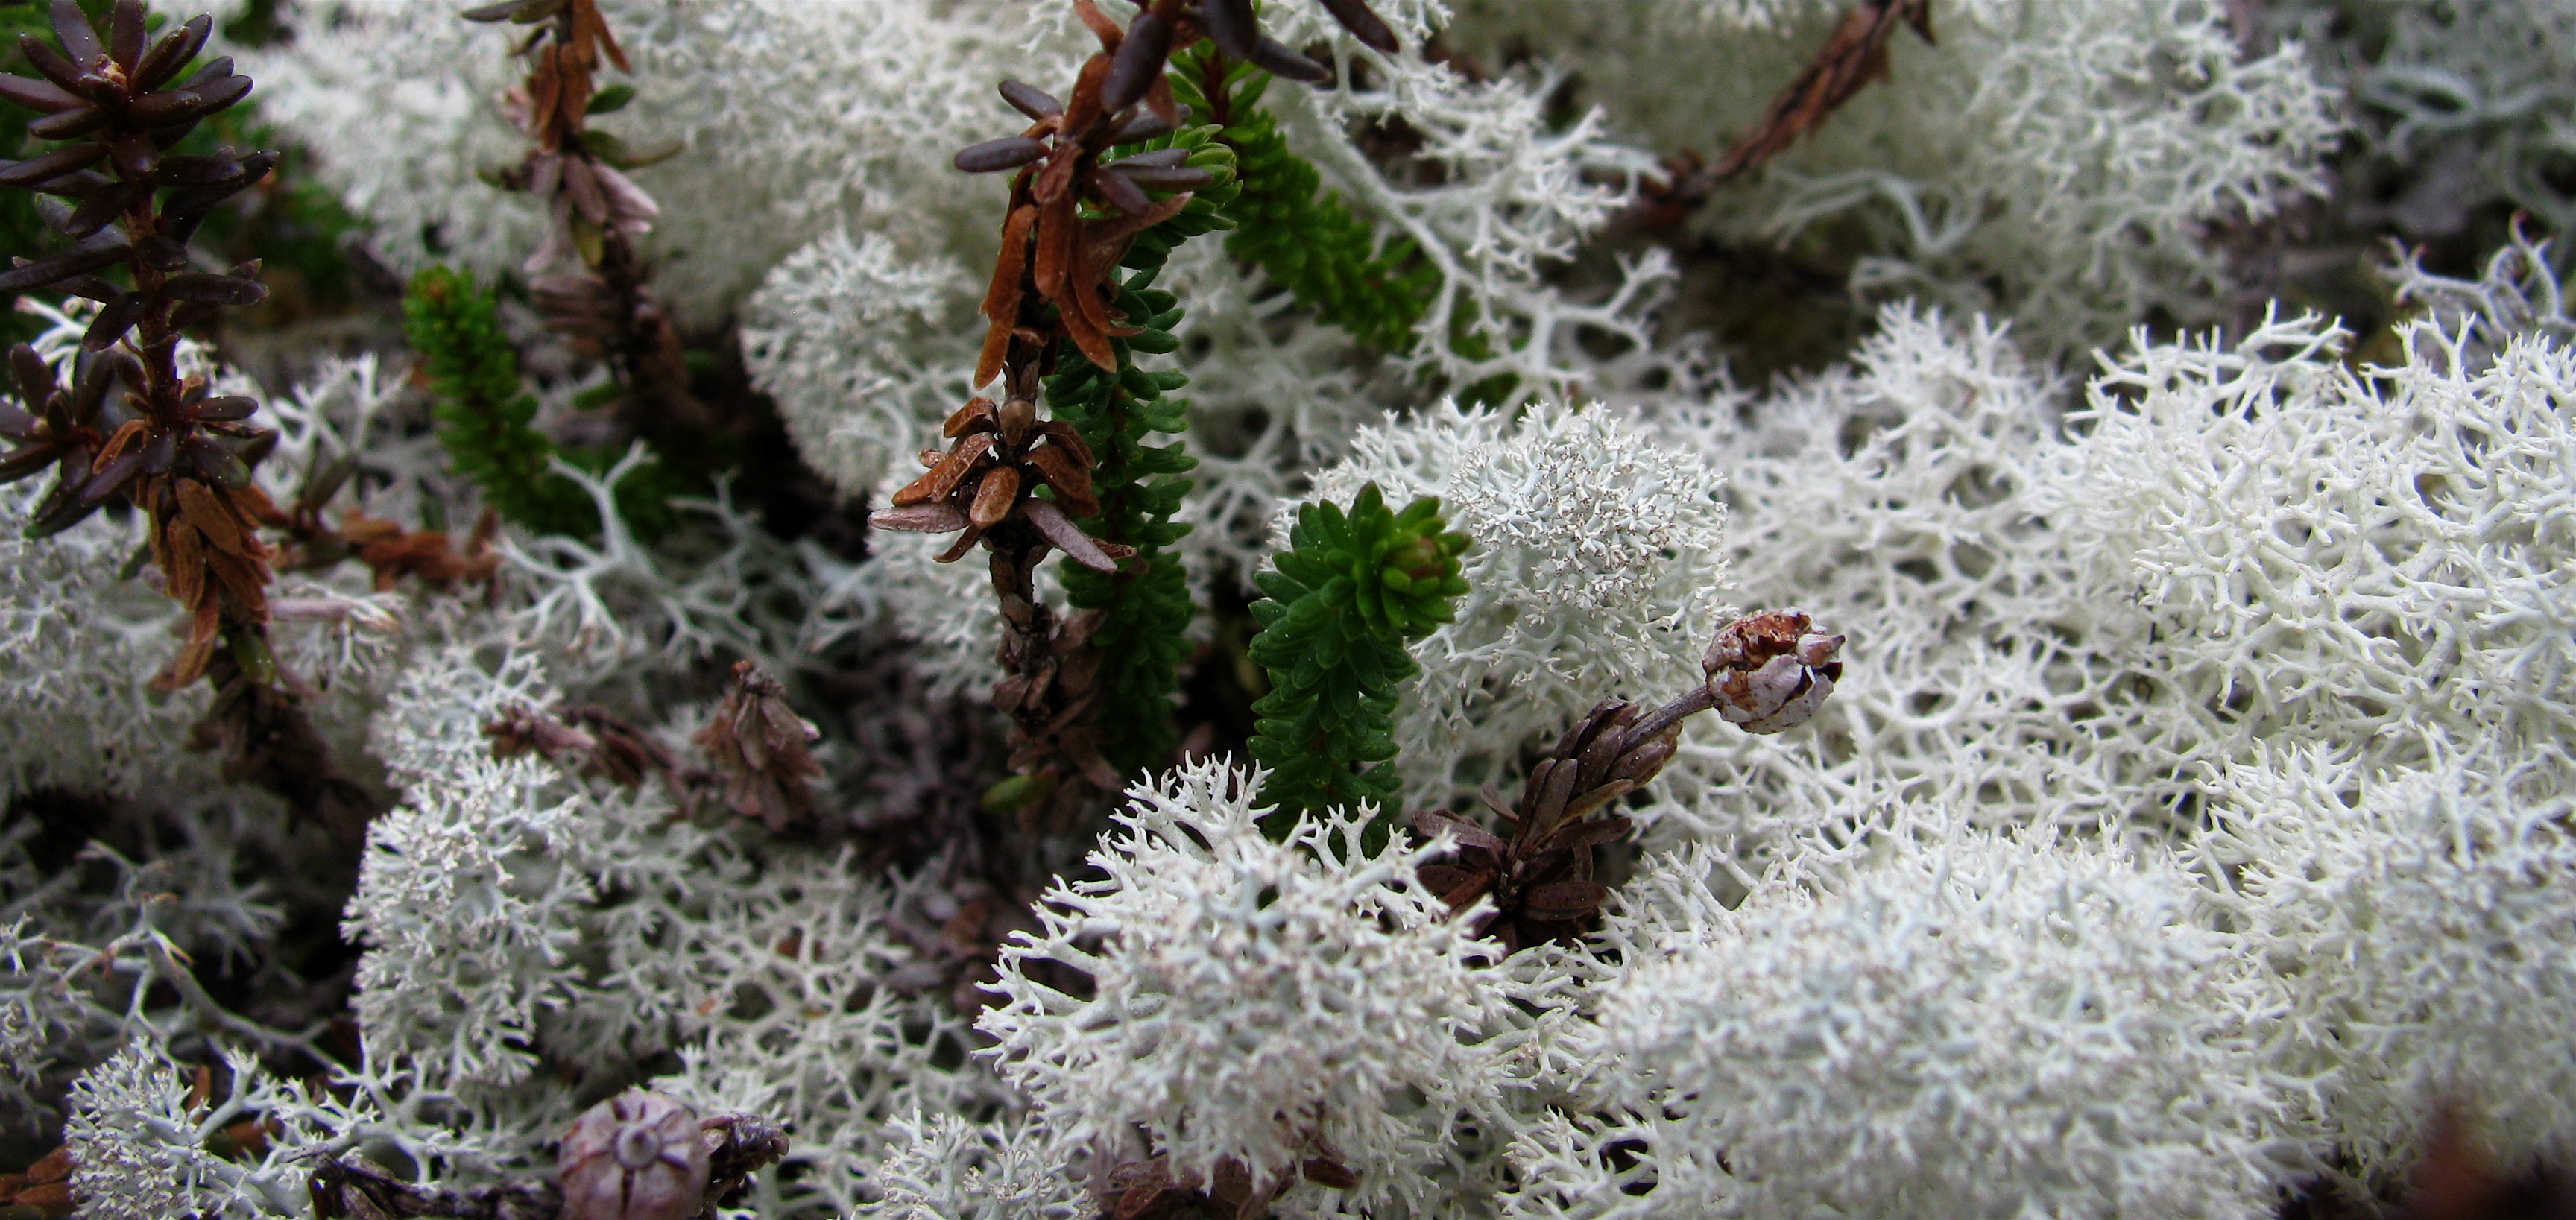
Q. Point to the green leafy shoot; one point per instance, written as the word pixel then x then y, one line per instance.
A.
pixel 1327 256
pixel 1340 604
pixel 485 414
pixel 1145 606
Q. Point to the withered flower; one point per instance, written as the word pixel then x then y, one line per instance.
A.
pixel 991 476
pixel 1771 671
pixel 1766 672
pixel 758 742
pixel 637 1156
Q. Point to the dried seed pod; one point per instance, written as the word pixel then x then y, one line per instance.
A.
pixel 758 741
pixel 635 1156
pixel 1771 670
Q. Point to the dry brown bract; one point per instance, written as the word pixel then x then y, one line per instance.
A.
pixel 44 1190
pixel 758 742
pixel 990 475
pixel 1766 672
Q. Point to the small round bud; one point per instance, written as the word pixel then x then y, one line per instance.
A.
pixel 635 1156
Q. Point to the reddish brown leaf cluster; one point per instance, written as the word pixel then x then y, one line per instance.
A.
pixel 392 552
pixel 604 306
pixel 205 537
pixel 758 743
pixel 988 478
pixel 45 1189
pixel 589 739
pixel 1149 1190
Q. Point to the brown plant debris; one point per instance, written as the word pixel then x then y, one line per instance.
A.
pixel 758 744
pixel 603 304
pixel 1854 55
pixel 1149 1190
pixel 2458 1180
pixel 45 1189
pixel 1765 672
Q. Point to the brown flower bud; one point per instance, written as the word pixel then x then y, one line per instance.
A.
pixel 759 743
pixel 635 1156
pixel 1771 670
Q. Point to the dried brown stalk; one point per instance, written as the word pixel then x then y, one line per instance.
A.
pixel 1852 56
pixel 1766 672
pixel 604 305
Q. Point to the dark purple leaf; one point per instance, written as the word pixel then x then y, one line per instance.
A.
pixel 173 52
pixel 1182 179
pixel 135 157
pixel 95 212
pixel 60 511
pixel 49 61
pixel 27 461
pixel 1277 60
pixel 1230 23
pixel 35 377
pixel 77 185
pixel 162 254
pixel 1030 100
pixel 113 320
pixel 99 90
pixel 1363 25
pixel 70 262
pixel 51 165
pixel 189 169
pixel 226 408
pixel 218 463
pixel 1121 191
pixel 90 286
pixel 1145 126
pixel 160 451
pixel 113 478
pixel 1160 158
pixel 125 34
pixel 35 94
pixel 69 123
pixel 1139 62
pixel 1009 152
pixel 209 289
pixel 80 41
pixel 188 101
